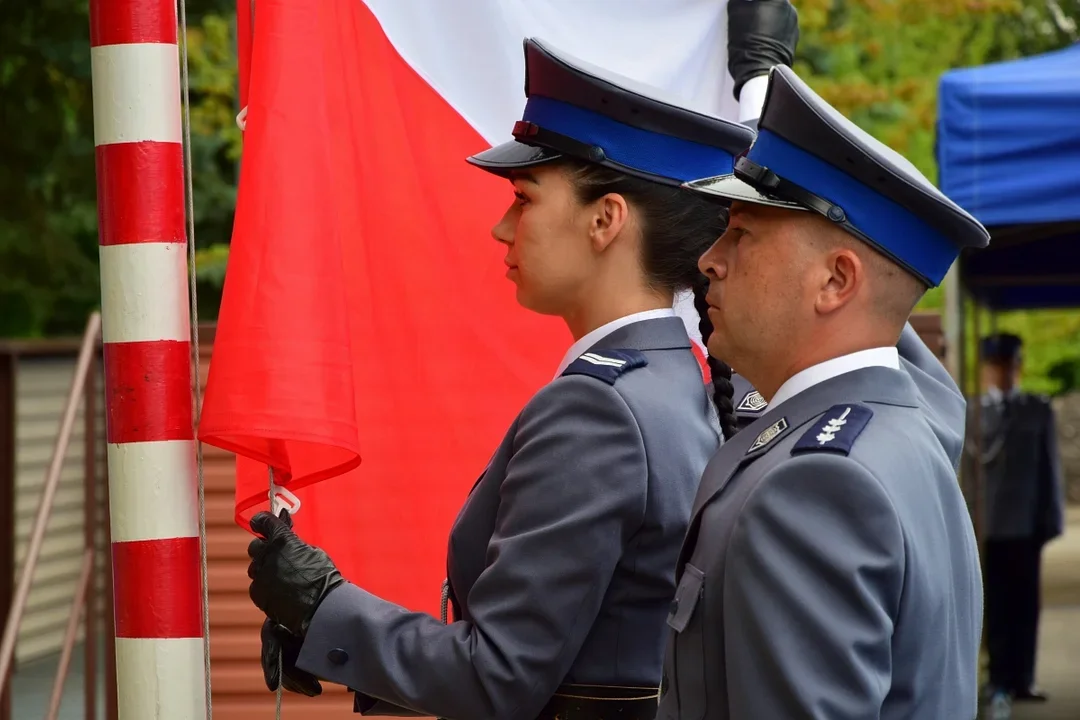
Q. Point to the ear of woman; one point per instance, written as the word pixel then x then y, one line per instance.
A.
pixel 611 216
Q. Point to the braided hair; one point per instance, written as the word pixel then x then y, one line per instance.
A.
pixel 723 389
pixel 677 226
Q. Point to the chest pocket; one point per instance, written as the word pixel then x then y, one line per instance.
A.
pixel 687 684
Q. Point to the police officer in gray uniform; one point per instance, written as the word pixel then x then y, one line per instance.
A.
pixel 562 561
pixel 1024 511
pixel 830 569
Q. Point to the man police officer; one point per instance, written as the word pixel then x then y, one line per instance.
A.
pixel 830 568
pixel 1024 511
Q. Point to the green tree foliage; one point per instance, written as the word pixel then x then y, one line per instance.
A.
pixel 48 228
pixel 879 62
pixel 48 242
pixel 215 137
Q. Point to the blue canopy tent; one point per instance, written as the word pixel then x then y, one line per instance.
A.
pixel 1008 147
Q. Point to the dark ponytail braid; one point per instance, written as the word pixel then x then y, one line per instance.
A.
pixel 678 226
pixel 723 390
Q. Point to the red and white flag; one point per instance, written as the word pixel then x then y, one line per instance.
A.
pixel 367 336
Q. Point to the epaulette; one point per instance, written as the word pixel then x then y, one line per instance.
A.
pixel 836 431
pixel 609 366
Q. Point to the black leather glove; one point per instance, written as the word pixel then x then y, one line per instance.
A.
pixel 279 642
pixel 761 33
pixel 289 578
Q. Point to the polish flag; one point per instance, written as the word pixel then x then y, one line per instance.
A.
pixel 369 348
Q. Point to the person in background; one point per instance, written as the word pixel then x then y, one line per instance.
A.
pixel 831 570
pixel 561 562
pixel 1024 510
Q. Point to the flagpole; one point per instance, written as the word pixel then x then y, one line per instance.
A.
pixel 157 586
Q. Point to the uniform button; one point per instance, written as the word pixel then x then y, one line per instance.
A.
pixel 674 606
pixel 338 656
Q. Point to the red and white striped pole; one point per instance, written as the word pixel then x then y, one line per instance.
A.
pixel 157 587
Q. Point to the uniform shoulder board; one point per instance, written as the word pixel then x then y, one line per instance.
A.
pixel 608 366
pixel 836 430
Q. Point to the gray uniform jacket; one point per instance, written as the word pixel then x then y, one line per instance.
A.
pixel 562 560
pixel 830 570
pixel 1022 468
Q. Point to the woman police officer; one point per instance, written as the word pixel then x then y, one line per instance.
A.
pixel 561 562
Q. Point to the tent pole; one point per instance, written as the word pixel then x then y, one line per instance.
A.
pixel 976 417
pixel 954 323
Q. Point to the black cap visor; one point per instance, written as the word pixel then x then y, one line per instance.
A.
pixel 751 183
pixel 730 188
pixel 534 145
pixel 503 159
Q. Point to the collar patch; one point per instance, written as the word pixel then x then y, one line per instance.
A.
pixel 752 402
pixel 768 435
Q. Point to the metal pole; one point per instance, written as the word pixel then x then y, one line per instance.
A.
pixel 978 484
pixel 954 323
pixel 107 613
pixel 8 363
pixel 157 587
pixel 90 526
pixel 85 578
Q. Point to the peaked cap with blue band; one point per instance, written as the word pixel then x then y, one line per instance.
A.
pixel 1001 347
pixel 807 156
pixel 579 110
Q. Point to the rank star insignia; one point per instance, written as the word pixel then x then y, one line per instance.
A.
pixel 752 402
pixel 835 431
pixel 828 433
pixel 768 435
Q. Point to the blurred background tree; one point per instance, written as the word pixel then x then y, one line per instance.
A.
pixel 878 61
pixel 48 229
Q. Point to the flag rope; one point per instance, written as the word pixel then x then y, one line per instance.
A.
pixel 197 384
pixel 197 381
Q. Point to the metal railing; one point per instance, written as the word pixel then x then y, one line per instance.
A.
pixel 84 603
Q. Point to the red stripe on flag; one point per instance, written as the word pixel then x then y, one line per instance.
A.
pixel 148 391
pixel 118 22
pixel 244 10
pixel 140 190
pixel 157 588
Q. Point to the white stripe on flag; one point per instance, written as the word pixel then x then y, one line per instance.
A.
pixel 469 51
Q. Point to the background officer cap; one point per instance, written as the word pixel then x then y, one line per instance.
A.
pixel 579 110
pixel 1001 347
pixel 807 156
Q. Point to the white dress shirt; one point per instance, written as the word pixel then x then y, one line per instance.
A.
pixel 994 396
pixel 811 376
pixel 589 339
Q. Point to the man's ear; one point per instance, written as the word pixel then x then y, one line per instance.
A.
pixel 611 213
pixel 844 274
